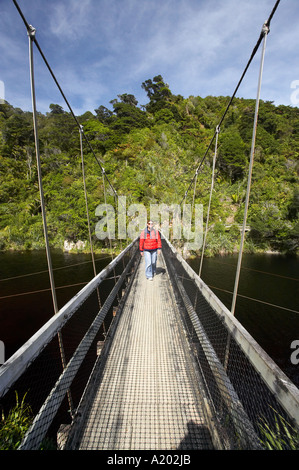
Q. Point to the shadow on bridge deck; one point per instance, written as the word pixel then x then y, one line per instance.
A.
pixel 145 394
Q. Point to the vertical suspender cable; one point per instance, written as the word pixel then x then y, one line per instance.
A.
pixel 87 211
pixel 86 202
pixel 108 217
pixel 28 27
pixel 265 31
pixel 209 206
pixel 31 35
pixel 194 192
pixel 108 225
pixel 210 199
pixel 255 49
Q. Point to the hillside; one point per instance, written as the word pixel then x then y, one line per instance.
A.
pixel 150 154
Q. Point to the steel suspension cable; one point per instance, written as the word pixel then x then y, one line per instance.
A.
pixel 53 269
pixel 31 35
pixel 181 277
pixel 256 300
pixel 265 32
pixel 254 51
pixel 108 257
pixel 208 212
pixel 108 229
pixel 210 201
pixel 107 215
pixel 29 28
pixel 33 38
pixel 86 200
pixel 87 212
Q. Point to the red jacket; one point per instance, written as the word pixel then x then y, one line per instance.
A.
pixel 150 240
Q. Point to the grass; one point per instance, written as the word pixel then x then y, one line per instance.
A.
pixel 14 426
pixel 282 437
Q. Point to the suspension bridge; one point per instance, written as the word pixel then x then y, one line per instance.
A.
pixel 132 364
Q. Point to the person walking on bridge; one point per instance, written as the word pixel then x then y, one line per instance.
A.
pixel 150 246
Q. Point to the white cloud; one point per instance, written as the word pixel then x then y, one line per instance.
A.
pixel 70 20
pixel 101 48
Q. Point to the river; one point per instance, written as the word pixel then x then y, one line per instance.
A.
pixel 267 303
pixel 268 282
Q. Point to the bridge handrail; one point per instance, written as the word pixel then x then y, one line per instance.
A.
pixel 49 409
pixel 12 369
pixel 281 386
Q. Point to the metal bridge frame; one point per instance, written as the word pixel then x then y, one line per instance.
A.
pixel 13 368
pixel 280 385
pixel 286 393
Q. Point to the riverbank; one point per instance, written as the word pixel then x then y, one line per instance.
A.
pixel 83 247
pixel 80 247
pixel 219 242
pixel 266 305
pixel 222 251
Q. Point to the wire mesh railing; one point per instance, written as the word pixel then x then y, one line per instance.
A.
pixel 53 387
pixel 252 398
pixel 248 393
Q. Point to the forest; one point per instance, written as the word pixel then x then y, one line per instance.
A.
pixel 150 154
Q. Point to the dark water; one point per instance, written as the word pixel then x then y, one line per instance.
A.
pixel 273 279
pixel 22 315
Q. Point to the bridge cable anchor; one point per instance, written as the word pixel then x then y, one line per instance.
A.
pixel 265 28
pixel 31 32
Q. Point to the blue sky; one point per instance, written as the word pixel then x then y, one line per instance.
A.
pixel 99 49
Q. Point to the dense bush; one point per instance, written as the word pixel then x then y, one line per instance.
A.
pixel 150 155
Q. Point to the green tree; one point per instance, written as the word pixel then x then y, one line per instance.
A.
pixel 231 155
pixel 128 115
pixel 158 93
pixel 104 114
pixel 150 154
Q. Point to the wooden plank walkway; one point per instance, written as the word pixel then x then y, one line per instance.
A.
pixel 147 396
